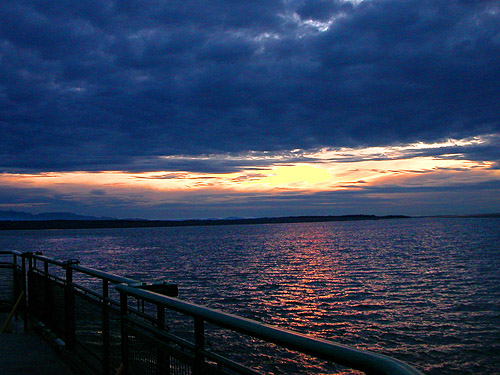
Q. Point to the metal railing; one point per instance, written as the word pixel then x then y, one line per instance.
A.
pixel 12 291
pixel 120 325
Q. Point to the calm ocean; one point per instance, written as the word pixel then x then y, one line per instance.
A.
pixel 426 291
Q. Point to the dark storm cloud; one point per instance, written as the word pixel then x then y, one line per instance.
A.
pixel 101 85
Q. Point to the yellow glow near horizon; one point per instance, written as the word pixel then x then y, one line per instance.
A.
pixel 330 170
pixel 292 175
pixel 299 177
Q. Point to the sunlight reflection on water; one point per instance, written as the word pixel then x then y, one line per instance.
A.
pixel 426 291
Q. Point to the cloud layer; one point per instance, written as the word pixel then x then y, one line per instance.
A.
pixel 116 85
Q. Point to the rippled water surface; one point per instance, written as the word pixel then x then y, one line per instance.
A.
pixel 426 291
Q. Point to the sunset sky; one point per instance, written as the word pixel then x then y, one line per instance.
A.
pixel 211 109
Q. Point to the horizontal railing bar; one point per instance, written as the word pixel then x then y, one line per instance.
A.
pixel 223 361
pixel 341 354
pixel 97 300
pixel 143 315
pixel 133 322
pixel 157 335
pixel 115 279
pixel 11 252
pixel 47 259
pixel 89 294
pixel 92 295
pixel 58 280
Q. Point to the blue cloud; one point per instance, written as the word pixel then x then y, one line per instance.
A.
pixel 102 85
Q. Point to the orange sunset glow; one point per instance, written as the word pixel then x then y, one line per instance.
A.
pixel 331 170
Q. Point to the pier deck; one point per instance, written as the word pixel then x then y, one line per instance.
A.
pixel 26 353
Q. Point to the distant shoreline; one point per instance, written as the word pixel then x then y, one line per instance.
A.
pixel 119 223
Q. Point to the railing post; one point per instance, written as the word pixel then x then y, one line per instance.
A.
pixel 30 258
pixel 69 306
pixel 46 300
pixel 123 370
pixel 163 359
pixel 16 287
pixel 105 328
pixel 25 281
pixel 199 344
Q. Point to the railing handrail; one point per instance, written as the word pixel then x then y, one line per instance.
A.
pixel 11 252
pixel 44 258
pixel 328 350
pixel 366 361
pixel 115 279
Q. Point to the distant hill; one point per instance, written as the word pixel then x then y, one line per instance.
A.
pixel 490 215
pixel 13 220
pixel 40 221
pixel 25 216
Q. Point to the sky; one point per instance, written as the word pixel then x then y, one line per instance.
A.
pixel 229 108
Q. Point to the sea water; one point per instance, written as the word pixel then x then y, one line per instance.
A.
pixel 426 290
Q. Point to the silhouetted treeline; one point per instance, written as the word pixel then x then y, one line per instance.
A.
pixel 84 224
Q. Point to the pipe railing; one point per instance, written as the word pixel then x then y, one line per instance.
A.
pixel 365 361
pixel 193 352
